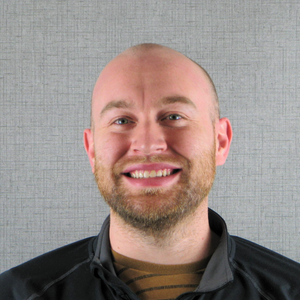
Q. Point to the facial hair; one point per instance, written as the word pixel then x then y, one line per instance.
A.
pixel 157 210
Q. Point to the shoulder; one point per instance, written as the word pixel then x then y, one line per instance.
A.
pixel 41 272
pixel 252 253
pixel 267 270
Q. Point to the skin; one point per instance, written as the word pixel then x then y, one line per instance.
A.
pixel 133 123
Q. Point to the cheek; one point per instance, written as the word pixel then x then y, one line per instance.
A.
pixel 110 148
pixel 182 142
pixel 191 143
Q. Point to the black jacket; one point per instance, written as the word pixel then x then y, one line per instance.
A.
pixel 238 270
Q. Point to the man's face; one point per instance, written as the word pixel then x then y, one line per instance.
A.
pixel 153 138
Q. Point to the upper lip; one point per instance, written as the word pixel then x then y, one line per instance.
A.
pixel 149 167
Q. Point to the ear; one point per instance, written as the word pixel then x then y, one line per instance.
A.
pixel 89 147
pixel 223 132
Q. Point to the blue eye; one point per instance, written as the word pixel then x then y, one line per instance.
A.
pixel 121 121
pixel 174 117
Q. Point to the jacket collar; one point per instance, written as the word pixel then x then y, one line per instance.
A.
pixel 217 273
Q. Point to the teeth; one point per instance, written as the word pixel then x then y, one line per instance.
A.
pixel 151 174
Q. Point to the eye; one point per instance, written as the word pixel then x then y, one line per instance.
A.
pixel 121 121
pixel 173 117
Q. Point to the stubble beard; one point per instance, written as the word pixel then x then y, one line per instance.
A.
pixel 156 211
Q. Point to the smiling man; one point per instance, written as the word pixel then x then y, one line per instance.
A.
pixel 154 143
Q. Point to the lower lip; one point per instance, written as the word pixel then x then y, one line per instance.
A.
pixel 156 181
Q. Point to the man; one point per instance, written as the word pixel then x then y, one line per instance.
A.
pixel 154 144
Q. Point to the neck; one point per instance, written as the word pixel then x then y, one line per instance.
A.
pixel 189 241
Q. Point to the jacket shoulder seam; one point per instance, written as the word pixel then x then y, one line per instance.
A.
pixel 63 276
pixel 256 285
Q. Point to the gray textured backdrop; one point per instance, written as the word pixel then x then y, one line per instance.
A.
pixel 51 54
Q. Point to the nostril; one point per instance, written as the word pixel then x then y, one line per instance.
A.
pixel 148 142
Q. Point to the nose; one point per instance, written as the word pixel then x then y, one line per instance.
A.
pixel 148 138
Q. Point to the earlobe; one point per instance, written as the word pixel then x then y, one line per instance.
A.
pixel 223 131
pixel 89 147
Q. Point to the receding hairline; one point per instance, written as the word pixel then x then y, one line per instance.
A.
pixel 140 48
pixel 147 47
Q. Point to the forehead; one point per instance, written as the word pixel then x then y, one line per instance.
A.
pixel 149 80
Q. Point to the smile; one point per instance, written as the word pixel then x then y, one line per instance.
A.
pixel 153 174
pixel 140 174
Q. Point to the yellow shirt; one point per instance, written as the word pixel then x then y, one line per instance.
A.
pixel 157 282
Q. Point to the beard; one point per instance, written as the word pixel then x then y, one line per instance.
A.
pixel 157 210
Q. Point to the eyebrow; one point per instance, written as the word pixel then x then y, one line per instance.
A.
pixel 177 99
pixel 116 104
pixel 164 101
